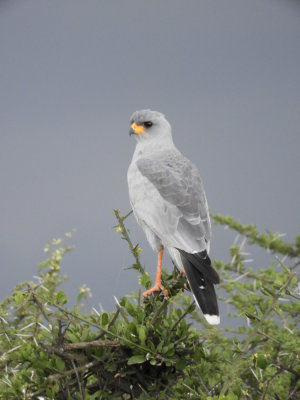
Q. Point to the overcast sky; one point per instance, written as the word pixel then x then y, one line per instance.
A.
pixel 226 75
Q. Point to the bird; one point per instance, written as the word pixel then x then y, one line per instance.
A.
pixel 169 203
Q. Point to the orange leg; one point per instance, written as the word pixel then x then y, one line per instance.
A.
pixel 157 287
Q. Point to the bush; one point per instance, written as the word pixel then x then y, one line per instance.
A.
pixel 162 348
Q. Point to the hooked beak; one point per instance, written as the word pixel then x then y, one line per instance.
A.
pixel 136 129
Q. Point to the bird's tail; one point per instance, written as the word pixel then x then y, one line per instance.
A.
pixel 202 277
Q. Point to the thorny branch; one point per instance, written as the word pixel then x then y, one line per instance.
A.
pixel 138 346
pixel 125 236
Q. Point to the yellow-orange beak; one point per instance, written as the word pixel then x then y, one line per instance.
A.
pixel 137 128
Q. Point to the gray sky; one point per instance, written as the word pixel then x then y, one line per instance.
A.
pixel 225 73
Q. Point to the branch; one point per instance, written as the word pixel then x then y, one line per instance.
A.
pixel 255 331
pixel 84 368
pixel 95 343
pixel 126 237
pixel 268 241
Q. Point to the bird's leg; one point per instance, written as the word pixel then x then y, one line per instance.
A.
pixel 157 287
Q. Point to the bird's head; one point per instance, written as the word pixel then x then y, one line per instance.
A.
pixel 148 124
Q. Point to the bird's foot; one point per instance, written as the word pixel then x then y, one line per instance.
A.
pixel 158 287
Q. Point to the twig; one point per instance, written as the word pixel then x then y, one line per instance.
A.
pixel 158 311
pixel 193 390
pixel 94 343
pixel 39 304
pixel 127 215
pixel 110 324
pixel 57 350
pixel 72 371
pixel 268 336
pixel 183 315
pixel 78 380
pixel 291 370
pixel 126 237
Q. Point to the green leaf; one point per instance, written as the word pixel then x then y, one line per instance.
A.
pixel 59 363
pixel 142 332
pixel 130 308
pixel 19 298
pixel 61 297
pixel 79 297
pixel 104 318
pixel 262 362
pixel 251 316
pixel 140 316
pixel 136 359
pixel 145 280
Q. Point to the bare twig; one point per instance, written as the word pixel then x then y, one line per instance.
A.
pixel 78 381
pixel 289 369
pixel 84 368
pixel 58 351
pixel 94 343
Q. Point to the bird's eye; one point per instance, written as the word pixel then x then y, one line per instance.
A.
pixel 148 124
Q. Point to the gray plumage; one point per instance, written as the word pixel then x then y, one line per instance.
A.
pixel 168 198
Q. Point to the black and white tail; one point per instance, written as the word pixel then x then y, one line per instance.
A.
pixel 202 277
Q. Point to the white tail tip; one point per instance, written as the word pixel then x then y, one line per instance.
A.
pixel 212 319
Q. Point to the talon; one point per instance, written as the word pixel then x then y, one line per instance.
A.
pixel 158 287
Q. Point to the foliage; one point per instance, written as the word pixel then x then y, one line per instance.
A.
pixel 162 348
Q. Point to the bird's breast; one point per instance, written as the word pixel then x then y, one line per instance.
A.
pixel 141 190
pixel 149 206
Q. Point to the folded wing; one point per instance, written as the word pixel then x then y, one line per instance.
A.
pixel 178 183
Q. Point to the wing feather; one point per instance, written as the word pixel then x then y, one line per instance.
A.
pixel 178 182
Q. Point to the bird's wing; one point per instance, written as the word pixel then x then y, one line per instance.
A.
pixel 178 182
